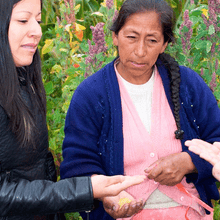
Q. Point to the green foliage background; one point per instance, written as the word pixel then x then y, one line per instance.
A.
pixel 64 47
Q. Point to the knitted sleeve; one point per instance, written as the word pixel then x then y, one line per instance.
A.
pixel 82 133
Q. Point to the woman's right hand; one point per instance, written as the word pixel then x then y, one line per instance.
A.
pixel 111 205
pixel 112 185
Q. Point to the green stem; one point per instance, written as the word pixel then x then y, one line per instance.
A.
pixel 94 18
pixel 180 15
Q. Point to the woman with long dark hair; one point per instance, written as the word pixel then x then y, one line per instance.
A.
pixel 135 115
pixel 28 187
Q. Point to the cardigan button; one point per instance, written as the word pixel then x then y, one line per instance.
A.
pixel 152 154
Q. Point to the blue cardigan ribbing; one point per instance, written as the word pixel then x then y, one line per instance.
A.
pixel 93 142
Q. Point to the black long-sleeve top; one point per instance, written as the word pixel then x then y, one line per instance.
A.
pixel 28 190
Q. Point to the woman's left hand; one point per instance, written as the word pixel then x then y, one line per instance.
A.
pixel 207 151
pixel 170 170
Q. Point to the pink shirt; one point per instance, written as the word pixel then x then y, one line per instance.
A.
pixel 141 148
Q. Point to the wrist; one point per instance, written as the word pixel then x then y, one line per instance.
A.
pixel 189 165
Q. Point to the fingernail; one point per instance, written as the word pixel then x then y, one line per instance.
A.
pixel 126 207
pixel 114 208
pixel 134 206
pixel 140 202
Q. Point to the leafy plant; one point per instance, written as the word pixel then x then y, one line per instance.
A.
pixel 61 75
pixel 65 51
pixel 198 39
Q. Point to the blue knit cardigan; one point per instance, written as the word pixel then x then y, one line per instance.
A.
pixel 93 142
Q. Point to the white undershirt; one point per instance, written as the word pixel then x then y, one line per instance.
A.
pixel 141 96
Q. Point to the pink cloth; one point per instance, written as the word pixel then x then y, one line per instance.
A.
pixel 173 213
pixel 141 148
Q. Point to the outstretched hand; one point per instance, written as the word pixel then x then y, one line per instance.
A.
pixel 112 185
pixel 207 151
pixel 171 169
pixel 111 205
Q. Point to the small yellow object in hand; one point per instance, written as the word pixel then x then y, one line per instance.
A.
pixel 123 201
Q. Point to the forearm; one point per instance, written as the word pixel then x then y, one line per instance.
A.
pixel 45 197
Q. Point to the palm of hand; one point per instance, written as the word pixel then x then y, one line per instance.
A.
pixel 111 206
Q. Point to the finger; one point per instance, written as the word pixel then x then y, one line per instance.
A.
pixel 197 149
pixel 198 142
pixel 119 213
pixel 127 182
pixel 132 180
pixel 211 157
pixel 216 171
pixel 155 172
pixel 217 144
pixel 111 180
pixel 148 169
pixel 208 154
pixel 134 207
pixel 123 211
pixel 111 203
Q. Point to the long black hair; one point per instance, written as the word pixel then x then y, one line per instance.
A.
pixel 22 121
pixel 167 20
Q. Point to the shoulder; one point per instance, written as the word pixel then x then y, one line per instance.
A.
pixel 192 80
pixel 97 83
pixel 193 86
pixel 98 78
pixel 189 75
pixel 94 89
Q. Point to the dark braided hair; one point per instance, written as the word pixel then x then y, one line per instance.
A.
pixel 167 18
pixel 174 74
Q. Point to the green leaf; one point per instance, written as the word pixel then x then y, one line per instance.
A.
pixel 57 116
pixel 182 58
pixel 57 68
pixel 185 29
pixel 208 46
pixel 48 46
pixel 203 26
pixel 194 19
pixel 100 56
pixel 201 44
pixel 84 46
pixel 109 59
pixel 195 13
pixel 211 29
pixel 201 34
pixel 49 88
pixel 77 8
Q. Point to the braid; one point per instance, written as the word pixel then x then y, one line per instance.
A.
pixel 174 74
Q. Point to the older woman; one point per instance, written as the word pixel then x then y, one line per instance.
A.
pixel 135 114
pixel 28 187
